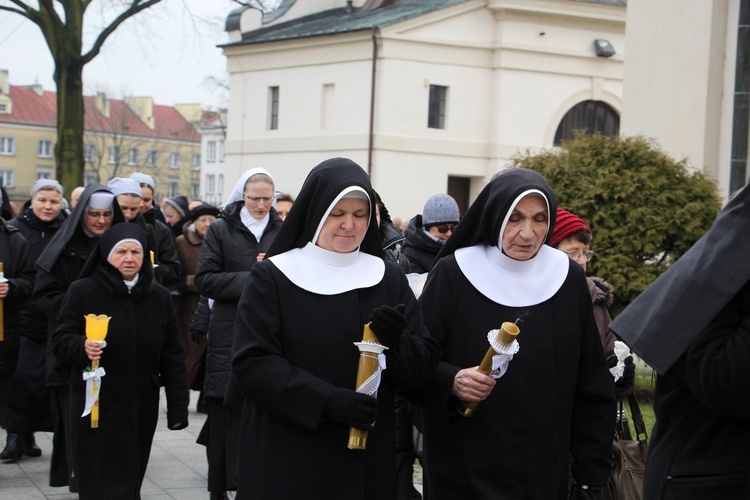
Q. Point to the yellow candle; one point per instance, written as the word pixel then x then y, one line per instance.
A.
pixel 368 363
pixel 96 330
pixel 151 253
pixel 505 336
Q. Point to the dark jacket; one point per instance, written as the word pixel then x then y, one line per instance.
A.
pixel 161 242
pixel 393 241
pixel 699 446
pixel 60 264
pixel 602 296
pixel 420 248
pixel 143 353
pixel 18 270
pixel 38 234
pixel 228 254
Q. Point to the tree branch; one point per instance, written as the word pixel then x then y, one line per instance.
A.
pixel 134 9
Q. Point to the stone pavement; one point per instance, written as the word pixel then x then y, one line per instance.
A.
pixel 177 468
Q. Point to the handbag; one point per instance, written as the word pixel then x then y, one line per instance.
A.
pixel 628 458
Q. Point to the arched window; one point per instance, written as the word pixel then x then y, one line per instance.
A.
pixel 591 116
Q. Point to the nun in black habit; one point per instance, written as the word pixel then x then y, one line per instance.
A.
pixel 552 412
pixel 294 357
pixel 57 267
pixel 143 352
pixel 692 325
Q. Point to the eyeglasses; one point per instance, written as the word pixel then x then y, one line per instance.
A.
pixel 258 199
pixel 446 228
pixel 576 254
pixel 96 215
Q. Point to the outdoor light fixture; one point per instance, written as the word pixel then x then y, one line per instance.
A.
pixel 603 48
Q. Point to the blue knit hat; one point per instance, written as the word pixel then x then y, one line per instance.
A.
pixel 440 209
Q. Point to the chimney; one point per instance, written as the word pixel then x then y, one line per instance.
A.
pixel 191 112
pixel 144 108
pixel 4 82
pixel 102 104
pixel 38 89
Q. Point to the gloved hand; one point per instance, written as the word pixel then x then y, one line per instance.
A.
pixel 591 493
pixel 352 408
pixel 388 323
pixel 196 336
pixel 624 385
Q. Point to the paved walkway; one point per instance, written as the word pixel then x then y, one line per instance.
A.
pixel 177 468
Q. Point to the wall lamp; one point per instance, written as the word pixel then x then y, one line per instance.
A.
pixel 603 48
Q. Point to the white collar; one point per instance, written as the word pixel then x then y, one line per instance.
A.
pixel 329 273
pixel 510 282
pixel 255 226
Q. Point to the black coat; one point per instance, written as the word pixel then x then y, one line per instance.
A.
pixel 161 242
pixel 143 353
pixel 59 265
pixel 38 234
pixel 699 446
pixel 228 255
pixel 18 270
pixel 419 248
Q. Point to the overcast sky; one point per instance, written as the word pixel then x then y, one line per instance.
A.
pixel 167 52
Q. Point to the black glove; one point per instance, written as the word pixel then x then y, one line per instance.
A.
pixel 388 323
pixel 592 493
pixel 624 385
pixel 196 336
pixel 352 408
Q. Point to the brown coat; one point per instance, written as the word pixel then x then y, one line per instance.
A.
pixel 189 250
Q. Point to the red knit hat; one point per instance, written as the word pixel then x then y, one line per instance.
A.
pixel 566 224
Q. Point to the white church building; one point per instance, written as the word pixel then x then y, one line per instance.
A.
pixel 428 96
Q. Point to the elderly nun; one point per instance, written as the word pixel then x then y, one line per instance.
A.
pixel 143 352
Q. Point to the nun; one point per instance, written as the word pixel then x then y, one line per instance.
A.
pixel 294 358
pixel 234 242
pixel 57 267
pixel 692 325
pixel 552 412
pixel 142 353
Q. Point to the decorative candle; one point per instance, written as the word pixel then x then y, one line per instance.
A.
pixel 96 330
pixel 500 342
pixel 371 363
pixel 151 254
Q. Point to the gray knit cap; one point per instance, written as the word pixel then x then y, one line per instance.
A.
pixel 440 209
pixel 50 184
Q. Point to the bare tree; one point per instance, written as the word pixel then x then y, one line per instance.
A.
pixel 63 32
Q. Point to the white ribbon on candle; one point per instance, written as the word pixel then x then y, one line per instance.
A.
pixel 622 351
pixel 370 386
pixel 92 390
pixel 501 360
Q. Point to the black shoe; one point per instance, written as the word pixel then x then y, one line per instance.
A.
pixel 13 450
pixel 219 495
pixel 28 445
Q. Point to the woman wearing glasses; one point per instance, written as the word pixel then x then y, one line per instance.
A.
pixel 428 232
pixel 235 241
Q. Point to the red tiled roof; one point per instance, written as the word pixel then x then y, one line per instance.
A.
pixel 29 108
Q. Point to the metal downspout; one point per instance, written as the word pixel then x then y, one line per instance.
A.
pixel 375 33
pixel 741 107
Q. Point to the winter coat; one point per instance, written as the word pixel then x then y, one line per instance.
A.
pixel 161 242
pixel 18 270
pixel 59 265
pixel 189 249
pixel 38 234
pixel 393 241
pixel 143 354
pixel 699 445
pixel 420 248
pixel 602 295
pixel 228 254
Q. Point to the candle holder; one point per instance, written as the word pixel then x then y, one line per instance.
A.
pixel 501 342
pixel 96 330
pixel 371 364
